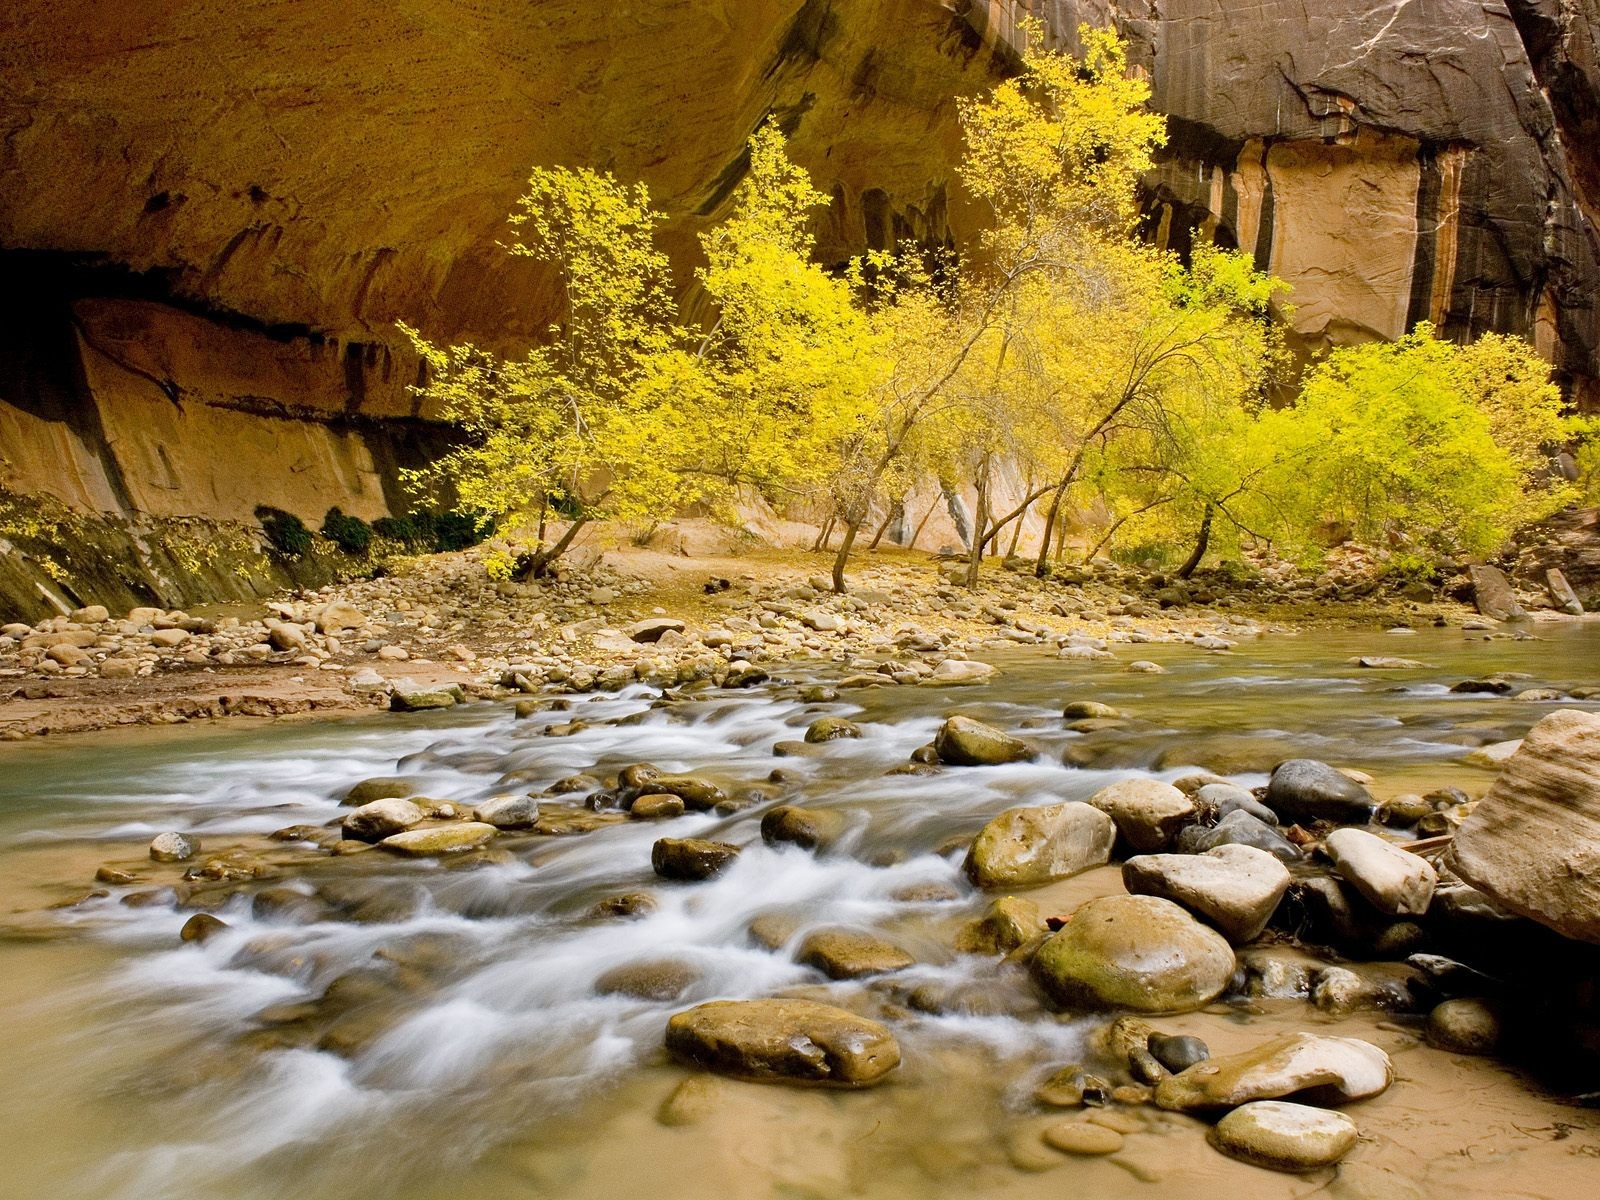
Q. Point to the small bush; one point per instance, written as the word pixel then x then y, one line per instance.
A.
pixel 350 534
pixel 430 531
pixel 286 532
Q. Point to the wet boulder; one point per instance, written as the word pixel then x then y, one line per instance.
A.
pixel 842 953
pixel 1134 952
pixel 441 840
pixel 1147 812
pixel 960 672
pixel 380 819
pixel 964 742
pixel 828 729
pixel 408 696
pixel 655 979
pixel 1010 922
pixel 1284 1137
pixel 1090 710
pixel 1319 1070
pixel 1023 847
pixel 1532 844
pixel 1223 798
pixel 174 847
pixel 1304 789
pixel 698 794
pixel 1238 828
pixel 508 812
pixel 1464 1026
pixel 655 806
pixel 1392 880
pixel 691 858
pixel 784 1041
pixel 811 828
pixel 381 787
pixel 1233 888
pixel 1493 594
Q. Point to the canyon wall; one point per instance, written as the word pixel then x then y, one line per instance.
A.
pixel 212 212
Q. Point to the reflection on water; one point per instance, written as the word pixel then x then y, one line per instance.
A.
pixel 420 1030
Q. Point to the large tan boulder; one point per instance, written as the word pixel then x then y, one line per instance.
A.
pixel 1319 1070
pixel 784 1041
pixel 1532 844
pixel 1024 847
pixel 1148 813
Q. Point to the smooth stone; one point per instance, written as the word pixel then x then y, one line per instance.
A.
pixel 1148 813
pixel 1239 828
pixel 1304 789
pixel 1024 847
pixel 412 697
pixel 662 979
pixel 1392 880
pixel 1072 1087
pixel 1464 1026
pixel 173 847
pixel 508 812
pixel 691 858
pixel 1284 1137
pixel 1234 888
pixel 811 828
pixel 1332 1070
pixel 956 672
pixel 1082 1137
pixel 380 819
pixel 698 794
pixel 1134 952
pixel 1177 1053
pixel 964 742
pixel 827 729
pixel 1227 798
pixel 1090 710
pixel 1010 922
pixel 1532 844
pixel 654 806
pixel 784 1041
pixel 851 953
pixel 652 629
pixel 202 926
pixel 382 787
pixel 445 839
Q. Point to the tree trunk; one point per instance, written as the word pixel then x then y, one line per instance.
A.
pixel 894 509
pixel 823 535
pixel 539 564
pixel 1188 568
pixel 841 559
pixel 1016 534
pixel 1041 568
pixel 979 524
pixel 917 532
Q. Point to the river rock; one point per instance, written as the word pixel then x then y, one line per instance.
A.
pixel 380 787
pixel 1224 798
pixel 508 812
pixel 658 979
pixel 1147 812
pixel 1464 1026
pixel 1392 880
pixel 841 953
pixel 655 806
pixel 784 1041
pixel 1322 1070
pixel 337 615
pixel 408 696
pixel 444 839
pixel 956 672
pixel 1561 593
pixel 1024 847
pixel 380 819
pixel 174 847
pixel 1090 710
pixel 1284 1137
pixel 1493 594
pixel 1177 1053
pixel 1135 952
pixel 1010 922
pixel 1532 844
pixel 1304 789
pixel 1082 1137
pixel 812 828
pixel 652 629
pixel 691 858
pixel 1233 888
pixel 827 729
pixel 698 794
pixel 964 742
pixel 202 926
pixel 1238 828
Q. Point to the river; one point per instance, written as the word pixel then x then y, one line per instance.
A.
pixel 469 1055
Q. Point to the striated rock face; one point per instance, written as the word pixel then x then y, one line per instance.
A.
pixel 211 214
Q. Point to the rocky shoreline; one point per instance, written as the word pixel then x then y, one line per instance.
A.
pixel 439 623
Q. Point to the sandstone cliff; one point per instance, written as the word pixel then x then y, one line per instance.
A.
pixel 212 213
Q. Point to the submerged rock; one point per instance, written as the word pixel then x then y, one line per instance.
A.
pixel 964 742
pixel 1304 789
pixel 1023 847
pixel 1135 952
pixel 1322 1070
pixel 445 839
pixel 1392 880
pixel 1284 1137
pixel 851 953
pixel 811 828
pixel 828 729
pixel 1234 888
pixel 659 979
pixel 1532 844
pixel 1148 813
pixel 784 1041
pixel 1010 922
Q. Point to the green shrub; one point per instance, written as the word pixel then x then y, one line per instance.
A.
pixel 435 531
pixel 286 533
pixel 350 534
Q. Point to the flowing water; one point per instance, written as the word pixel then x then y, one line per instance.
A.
pixel 419 1030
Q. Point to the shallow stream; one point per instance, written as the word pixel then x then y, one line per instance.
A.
pixel 471 1056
